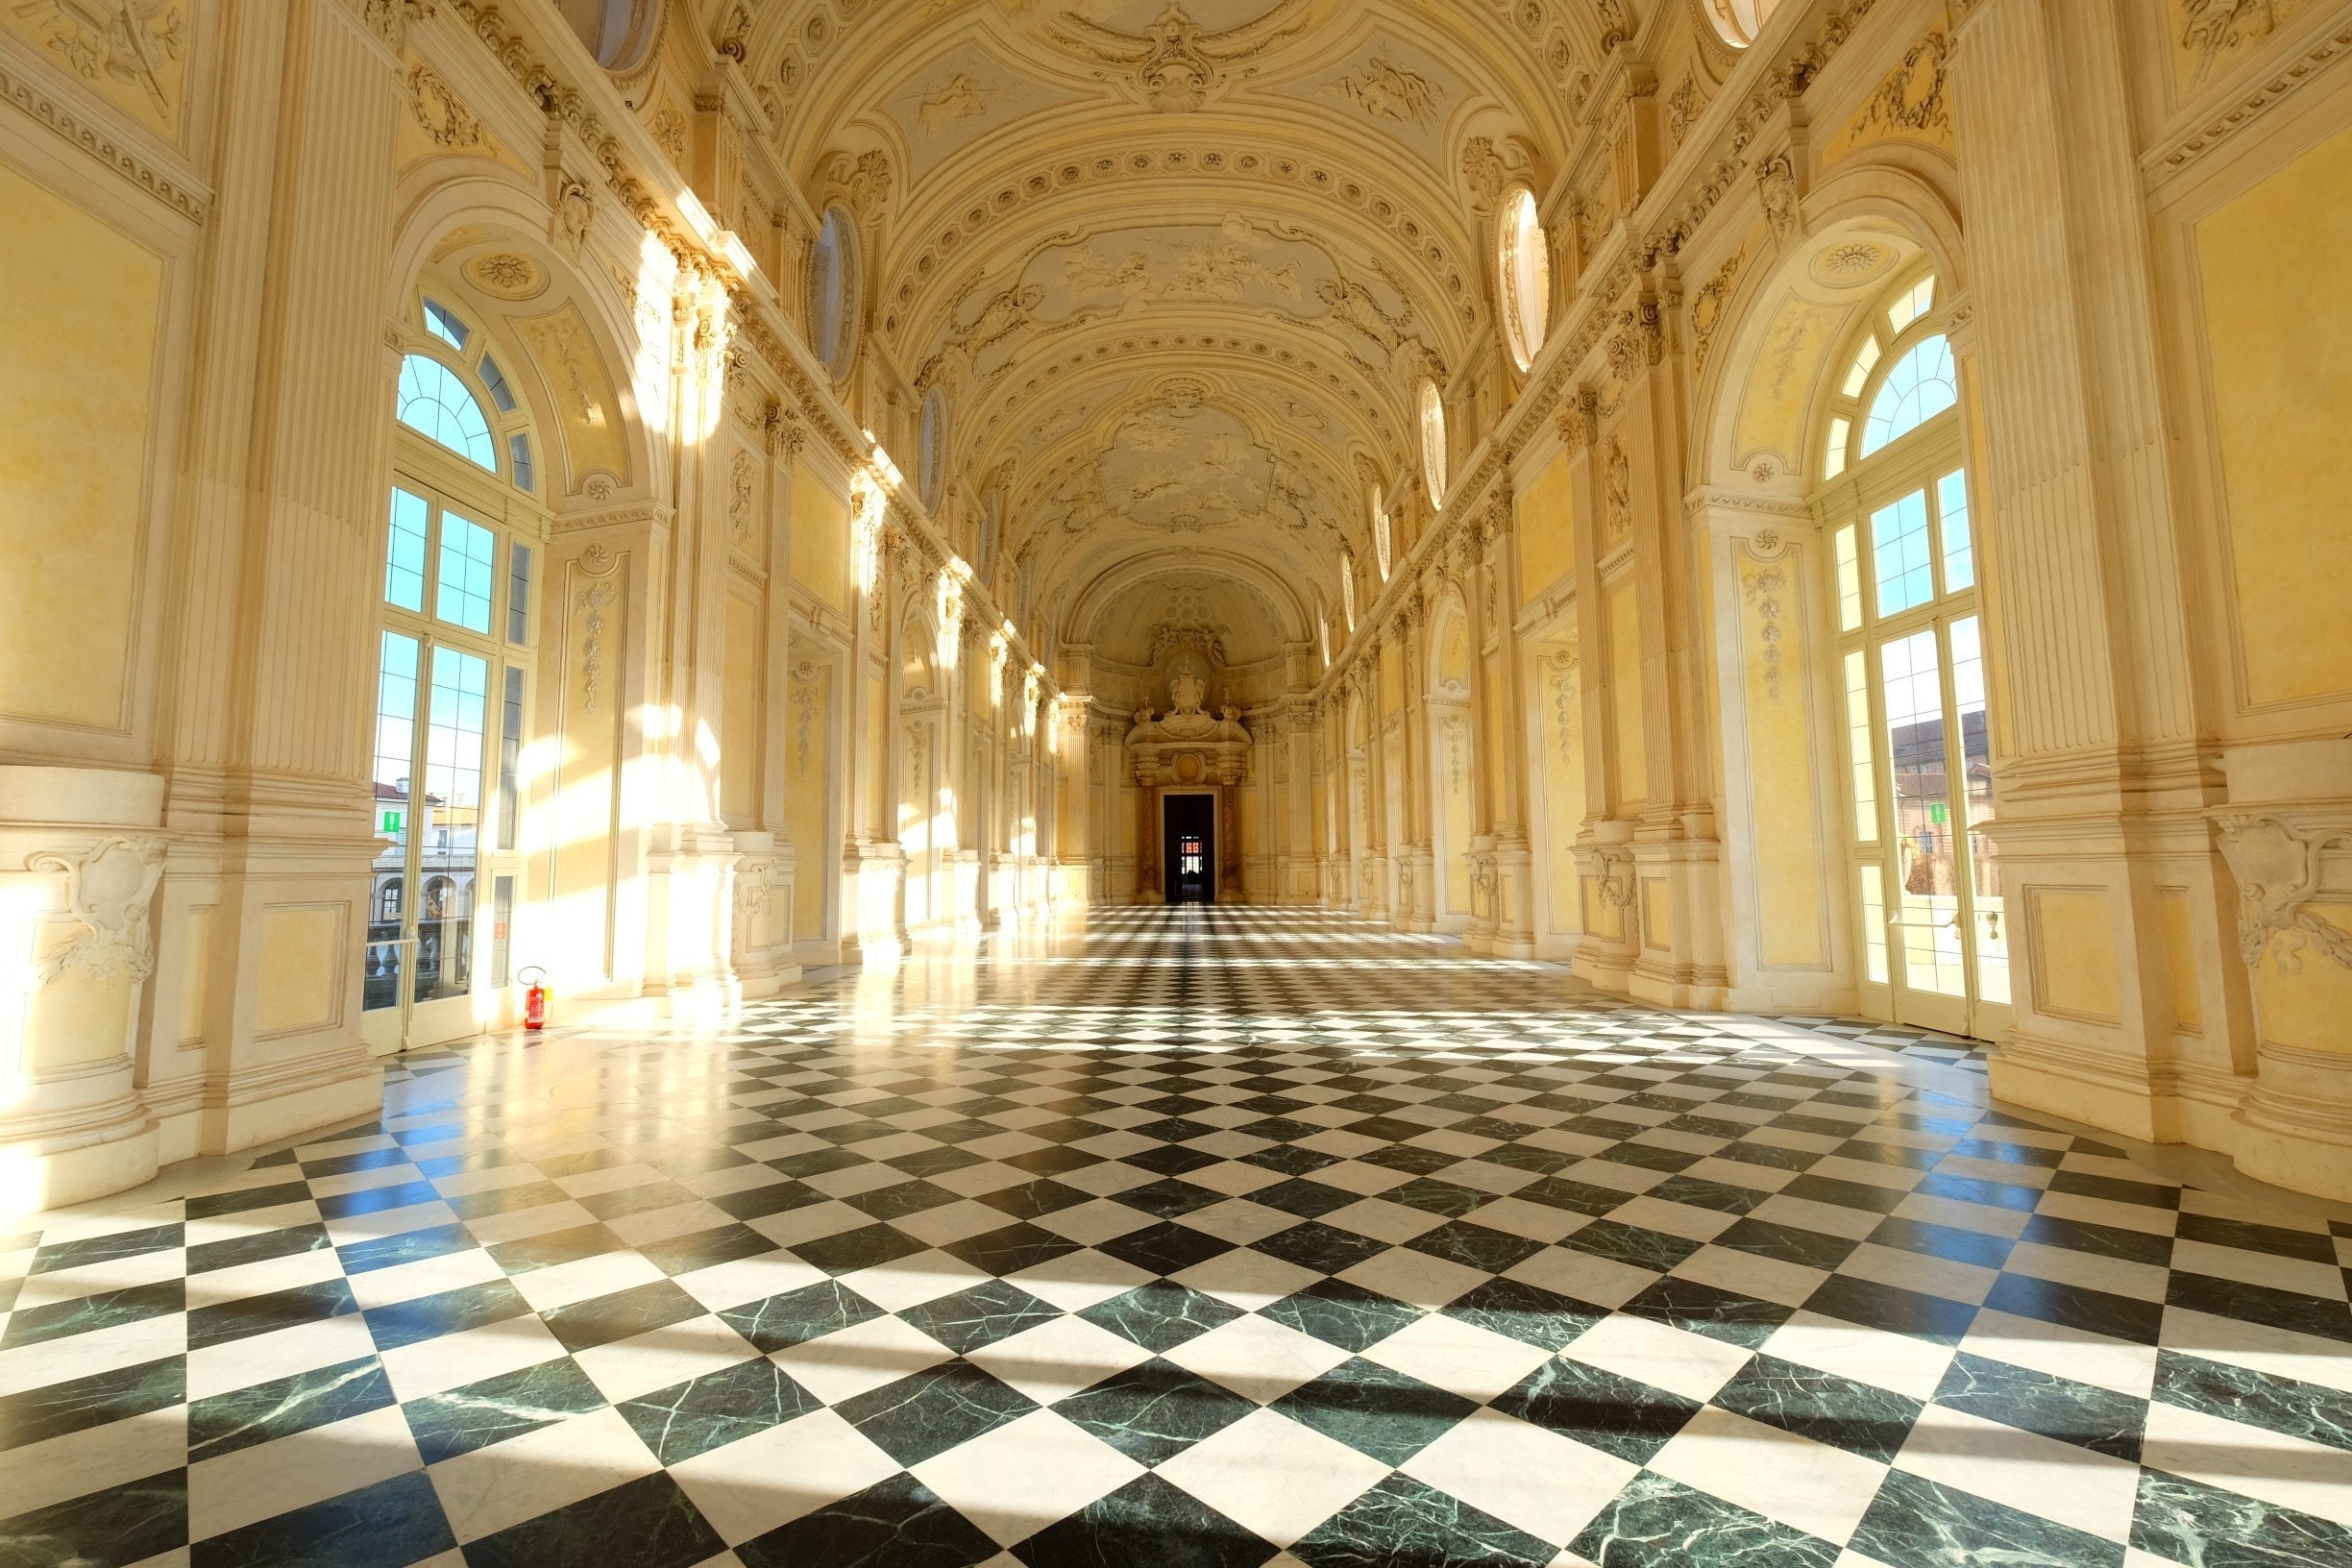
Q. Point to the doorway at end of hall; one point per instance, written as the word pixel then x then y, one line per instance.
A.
pixel 1191 857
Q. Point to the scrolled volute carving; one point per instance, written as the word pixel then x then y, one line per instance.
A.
pixel 108 889
pixel 2277 868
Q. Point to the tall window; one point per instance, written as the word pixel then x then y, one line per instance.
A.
pixel 1738 21
pixel 1383 545
pixel 1934 924
pixel 452 673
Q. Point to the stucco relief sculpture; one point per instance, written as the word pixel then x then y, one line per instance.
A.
pixel 2277 868
pixel 108 889
pixel 1176 66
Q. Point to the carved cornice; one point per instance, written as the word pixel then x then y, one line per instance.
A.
pixel 2217 130
pixel 173 189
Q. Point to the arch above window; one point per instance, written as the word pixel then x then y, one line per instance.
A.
pixel 435 403
pixel 1922 384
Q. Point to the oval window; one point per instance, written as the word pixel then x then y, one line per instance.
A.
pixel 1433 442
pixel 931 457
pixel 1739 21
pixel 833 292
pixel 616 32
pixel 1524 273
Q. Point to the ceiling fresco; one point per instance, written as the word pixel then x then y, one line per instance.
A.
pixel 1179 266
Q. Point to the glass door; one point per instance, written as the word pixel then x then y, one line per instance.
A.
pixel 1934 926
pixel 443 890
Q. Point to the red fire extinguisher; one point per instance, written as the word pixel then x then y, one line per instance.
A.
pixel 534 999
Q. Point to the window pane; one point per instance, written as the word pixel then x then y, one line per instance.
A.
pixel 396 701
pixel 1917 302
pixel 1959 553
pixel 1984 855
pixel 510 759
pixel 466 557
pixel 1874 923
pixel 502 926
pixel 1899 551
pixel 442 322
pixel 1850 579
pixel 496 381
pixel 449 824
pixel 518 449
pixel 1922 385
pixel 1858 747
pixel 1857 375
pixel 404 553
pixel 1929 896
pixel 434 401
pixel 517 595
pixel 1841 431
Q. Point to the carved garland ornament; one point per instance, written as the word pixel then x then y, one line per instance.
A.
pixel 108 889
pixel 2277 868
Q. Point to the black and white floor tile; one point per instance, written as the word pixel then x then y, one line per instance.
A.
pixel 1209 1238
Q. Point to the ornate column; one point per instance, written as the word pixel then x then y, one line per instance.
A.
pixel 2104 773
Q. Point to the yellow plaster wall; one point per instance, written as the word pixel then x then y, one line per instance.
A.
pixel 1454 776
pixel 1771 415
pixel 1782 788
pixel 2301 996
pixel 299 979
pixel 80 1016
pixel 78 307
pixel 1559 700
pixel 1657 914
pixel 1626 688
pixel 2074 953
pixel 195 974
pixel 819 539
pixel 1392 678
pixel 2180 951
pixel 739 739
pixel 805 802
pixel 2277 274
pixel 1547 529
pixel 588 411
pixel 1497 760
pixel 581 819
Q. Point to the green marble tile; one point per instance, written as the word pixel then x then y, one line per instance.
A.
pixel 1916 1523
pixel 1375 1409
pixel 717 1409
pixel 460 1420
pixel 223 1422
pixel 1401 1521
pixel 1657 1523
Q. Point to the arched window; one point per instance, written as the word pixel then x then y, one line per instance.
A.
pixel 1922 385
pixel 833 286
pixel 1433 443
pixel 432 399
pixel 1383 549
pixel 1739 21
pixel 1347 589
pixel 1524 277
pixel 616 32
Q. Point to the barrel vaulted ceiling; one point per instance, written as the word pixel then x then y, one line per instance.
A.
pixel 1179 265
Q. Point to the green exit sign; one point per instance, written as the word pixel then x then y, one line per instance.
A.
pixel 1939 813
pixel 394 820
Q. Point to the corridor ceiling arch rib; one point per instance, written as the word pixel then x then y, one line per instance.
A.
pixel 1075 210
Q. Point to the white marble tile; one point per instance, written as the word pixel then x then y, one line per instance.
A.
pixel 1659 1354
pixel 1054 1360
pixel 456 1359
pixel 659 1358
pixel 1528 1478
pixel 1458 1356
pixel 273 1478
pixel 770 1479
pixel 1257 1357
pixel 49 1361
pixel 847 1364
pixel 1014 1480
pixel 58 1469
pixel 1269 1474
pixel 2089 1491
pixel 506 1484
pixel 1896 1362
pixel 2241 1457
pixel 1811 1487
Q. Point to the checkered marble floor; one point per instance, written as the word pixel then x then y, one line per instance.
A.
pixel 1201 1237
